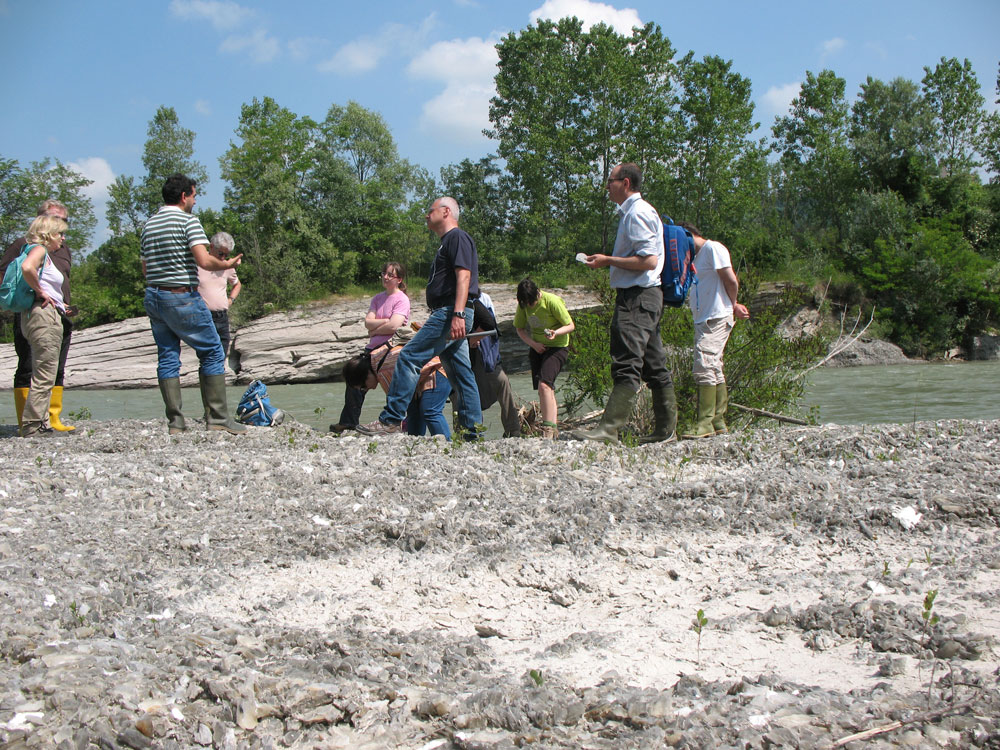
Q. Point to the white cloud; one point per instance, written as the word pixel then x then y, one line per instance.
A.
pixel 466 67
pixel 364 53
pixel 261 46
pixel 203 107
pixel 832 46
pixel 590 13
pixel 305 47
pixel 777 99
pixel 97 169
pixel 224 15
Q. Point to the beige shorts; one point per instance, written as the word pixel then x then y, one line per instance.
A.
pixel 710 340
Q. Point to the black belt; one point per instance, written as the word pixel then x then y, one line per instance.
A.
pixel 175 289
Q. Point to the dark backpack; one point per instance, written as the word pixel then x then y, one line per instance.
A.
pixel 255 407
pixel 678 263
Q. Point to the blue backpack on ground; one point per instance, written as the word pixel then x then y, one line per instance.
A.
pixel 255 407
pixel 678 264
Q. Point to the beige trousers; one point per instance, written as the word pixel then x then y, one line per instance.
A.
pixel 710 340
pixel 43 329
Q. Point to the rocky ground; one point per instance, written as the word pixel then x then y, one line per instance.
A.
pixel 291 589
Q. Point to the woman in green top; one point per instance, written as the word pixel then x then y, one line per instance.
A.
pixel 544 325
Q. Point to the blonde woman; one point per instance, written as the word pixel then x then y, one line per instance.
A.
pixel 42 324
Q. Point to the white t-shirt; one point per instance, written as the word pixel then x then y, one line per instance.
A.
pixel 708 298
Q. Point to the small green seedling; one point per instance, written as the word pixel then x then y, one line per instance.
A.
pixel 885 567
pixel 372 446
pixel 536 675
pixel 319 410
pixel 697 625
pixel 930 617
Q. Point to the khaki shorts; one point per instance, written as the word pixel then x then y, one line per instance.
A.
pixel 710 340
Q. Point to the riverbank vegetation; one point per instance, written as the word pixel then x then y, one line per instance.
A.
pixel 891 197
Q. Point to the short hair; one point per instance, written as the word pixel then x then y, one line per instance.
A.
pixel 690 227
pixel 46 228
pixel 632 173
pixel 48 204
pixel 452 205
pixel 527 293
pixel 223 239
pixel 397 268
pixel 357 369
pixel 176 186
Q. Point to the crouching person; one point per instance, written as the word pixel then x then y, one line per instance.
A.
pixel 544 324
pixel 425 413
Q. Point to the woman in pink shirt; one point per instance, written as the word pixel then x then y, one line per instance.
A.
pixel 388 311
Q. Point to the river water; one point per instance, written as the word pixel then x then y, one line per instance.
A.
pixel 856 395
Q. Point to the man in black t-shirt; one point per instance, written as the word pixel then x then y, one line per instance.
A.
pixel 452 287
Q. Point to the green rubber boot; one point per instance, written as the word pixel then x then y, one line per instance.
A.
pixel 616 413
pixel 170 389
pixel 721 404
pixel 213 396
pixel 664 416
pixel 706 412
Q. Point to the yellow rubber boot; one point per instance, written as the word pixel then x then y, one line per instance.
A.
pixel 20 399
pixel 55 409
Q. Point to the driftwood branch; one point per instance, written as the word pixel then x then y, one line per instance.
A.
pixel 769 414
pixel 843 343
pixel 918 718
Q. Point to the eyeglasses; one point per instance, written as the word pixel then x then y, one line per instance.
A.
pixel 388 275
pixel 616 179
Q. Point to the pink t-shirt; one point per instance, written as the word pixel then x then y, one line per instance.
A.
pixel 385 305
pixel 213 286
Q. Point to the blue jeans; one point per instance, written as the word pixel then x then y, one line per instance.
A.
pixel 182 317
pixel 430 341
pixel 426 412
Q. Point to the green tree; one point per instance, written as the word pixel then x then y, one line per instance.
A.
pixel 952 93
pixel 23 188
pixel 570 105
pixel 719 171
pixel 818 170
pixel 287 258
pixel 892 136
pixel 169 149
pixel 363 192
pixel 485 196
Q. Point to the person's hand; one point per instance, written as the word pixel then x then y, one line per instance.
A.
pixel 741 312
pixel 235 261
pixel 540 348
pixel 457 328
pixel 550 334
pixel 46 299
pixel 598 261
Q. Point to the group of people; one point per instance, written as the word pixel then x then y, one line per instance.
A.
pixel 191 282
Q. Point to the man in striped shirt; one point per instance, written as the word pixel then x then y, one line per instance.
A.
pixel 174 245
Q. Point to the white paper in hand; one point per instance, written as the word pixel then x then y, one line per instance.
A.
pixel 581 257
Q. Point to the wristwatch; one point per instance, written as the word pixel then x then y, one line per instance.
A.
pixel 458 314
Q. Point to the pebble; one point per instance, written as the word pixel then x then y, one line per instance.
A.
pixel 106 553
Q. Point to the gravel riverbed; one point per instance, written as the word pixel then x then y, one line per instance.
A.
pixel 292 589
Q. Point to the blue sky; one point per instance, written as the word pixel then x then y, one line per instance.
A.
pixel 82 80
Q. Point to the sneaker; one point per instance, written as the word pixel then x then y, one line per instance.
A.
pixel 378 427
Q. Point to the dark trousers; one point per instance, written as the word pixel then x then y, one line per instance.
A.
pixel 22 374
pixel 221 320
pixel 637 352
pixel 354 400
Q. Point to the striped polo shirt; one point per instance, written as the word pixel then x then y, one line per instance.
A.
pixel 167 239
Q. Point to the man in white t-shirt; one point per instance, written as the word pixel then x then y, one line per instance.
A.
pixel 713 304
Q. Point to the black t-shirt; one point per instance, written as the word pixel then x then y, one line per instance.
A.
pixel 457 251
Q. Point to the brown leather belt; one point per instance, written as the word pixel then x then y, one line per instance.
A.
pixel 175 289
